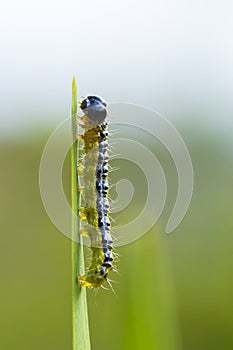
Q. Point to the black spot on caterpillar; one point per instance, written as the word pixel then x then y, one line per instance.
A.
pixel 95 204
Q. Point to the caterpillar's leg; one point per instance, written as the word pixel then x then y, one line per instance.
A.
pixel 80 189
pixel 84 233
pixel 79 137
pixel 80 168
pixel 82 214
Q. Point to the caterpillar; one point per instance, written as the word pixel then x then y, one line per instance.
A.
pixel 94 194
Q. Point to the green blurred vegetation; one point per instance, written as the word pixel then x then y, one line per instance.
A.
pixel 173 292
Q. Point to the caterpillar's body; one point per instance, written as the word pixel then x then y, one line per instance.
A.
pixel 95 206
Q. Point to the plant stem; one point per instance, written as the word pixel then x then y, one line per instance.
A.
pixel 80 327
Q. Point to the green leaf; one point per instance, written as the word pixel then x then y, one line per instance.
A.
pixel 80 327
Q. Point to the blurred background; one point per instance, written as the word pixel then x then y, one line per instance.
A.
pixel 173 292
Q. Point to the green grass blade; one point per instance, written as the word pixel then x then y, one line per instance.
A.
pixel 80 327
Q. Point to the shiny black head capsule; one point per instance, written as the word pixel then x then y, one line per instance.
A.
pixel 95 108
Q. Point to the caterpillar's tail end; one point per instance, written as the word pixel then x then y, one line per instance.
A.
pixel 90 282
pixel 83 282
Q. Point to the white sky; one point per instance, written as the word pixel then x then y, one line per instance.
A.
pixel 174 56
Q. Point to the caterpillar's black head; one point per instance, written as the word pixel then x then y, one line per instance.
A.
pixel 95 108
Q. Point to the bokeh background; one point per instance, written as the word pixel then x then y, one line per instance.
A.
pixel 173 292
